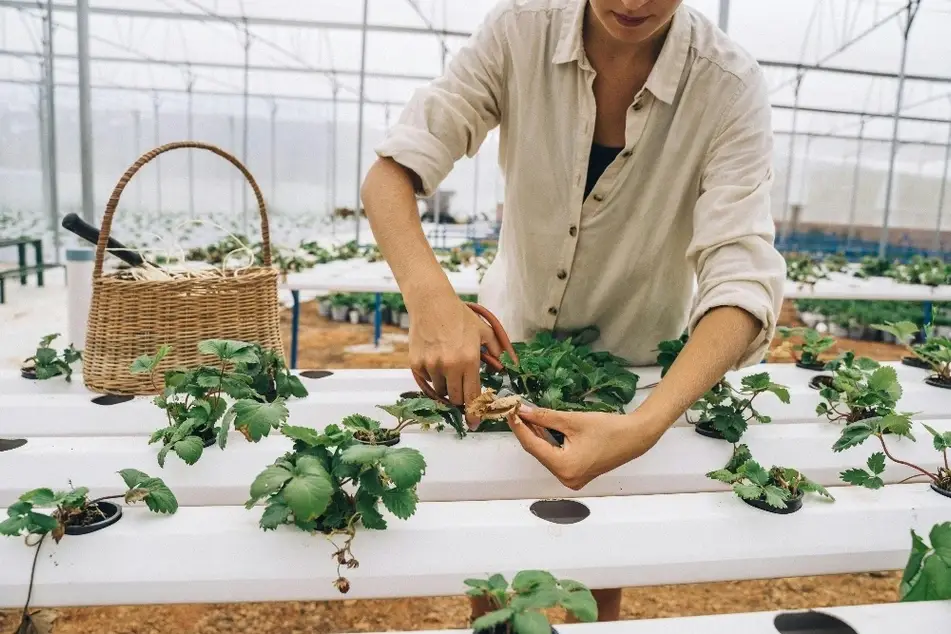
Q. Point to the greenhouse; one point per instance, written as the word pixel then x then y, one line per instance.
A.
pixel 507 316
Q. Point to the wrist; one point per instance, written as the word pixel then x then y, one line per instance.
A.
pixel 426 290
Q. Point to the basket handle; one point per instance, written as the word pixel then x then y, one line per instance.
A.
pixel 151 154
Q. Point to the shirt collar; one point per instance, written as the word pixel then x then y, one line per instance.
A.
pixel 664 78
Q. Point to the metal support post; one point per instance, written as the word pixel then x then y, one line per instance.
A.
pixel 783 229
pixel 333 162
pixel 231 172
pixel 49 92
pixel 911 10
pixel 244 126
pixel 363 73
pixel 85 112
pixel 724 15
pixel 937 246
pixel 191 136
pixel 156 136
pixel 136 153
pixel 273 193
pixel 855 186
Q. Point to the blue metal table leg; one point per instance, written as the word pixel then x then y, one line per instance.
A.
pixel 378 320
pixel 295 325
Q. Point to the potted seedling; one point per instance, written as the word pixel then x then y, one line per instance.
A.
pixel 75 514
pixel 935 352
pixel 394 302
pixel 803 269
pixel 196 401
pixel 46 364
pixel 927 576
pixel 408 411
pixel 725 412
pixel 323 307
pixel 836 263
pixel 518 611
pixel 330 483
pixel 812 346
pixel 779 490
pixel 860 388
pixel 899 425
pixel 339 306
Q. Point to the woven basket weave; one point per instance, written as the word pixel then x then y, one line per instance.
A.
pixel 129 318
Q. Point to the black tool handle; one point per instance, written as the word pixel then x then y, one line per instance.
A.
pixel 75 224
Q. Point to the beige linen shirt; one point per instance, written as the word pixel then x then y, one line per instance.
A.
pixel 678 224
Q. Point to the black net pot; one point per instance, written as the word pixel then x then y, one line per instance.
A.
pixel 792 505
pixel 112 513
pixel 915 362
pixel 389 442
pixel 821 381
pixel 946 493
pixel 815 367
pixel 706 428
pixel 937 381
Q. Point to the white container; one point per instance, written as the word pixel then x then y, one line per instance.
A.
pixel 404 321
pixel 838 331
pixel 339 313
pixel 354 316
pixel 396 317
pixel 323 308
pixel 810 319
pixel 79 265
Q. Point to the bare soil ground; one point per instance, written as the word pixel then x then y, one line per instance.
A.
pixel 322 346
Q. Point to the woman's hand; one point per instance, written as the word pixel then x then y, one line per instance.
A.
pixel 594 444
pixel 445 344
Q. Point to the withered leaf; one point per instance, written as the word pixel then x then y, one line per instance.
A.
pixel 488 406
pixel 136 495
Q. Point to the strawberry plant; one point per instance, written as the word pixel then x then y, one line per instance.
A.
pixel 836 263
pixel 564 373
pixel 73 508
pixel 519 611
pixel 860 389
pixel 803 269
pixel 812 346
pixel 668 351
pixel 935 352
pixel 329 483
pixel 927 576
pixel 196 402
pixel 725 412
pixel 871 266
pixel 920 270
pixel 899 425
pixel 420 411
pixel 779 490
pixel 46 363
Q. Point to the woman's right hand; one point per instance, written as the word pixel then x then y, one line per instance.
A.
pixel 445 343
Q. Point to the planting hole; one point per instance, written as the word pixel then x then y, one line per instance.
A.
pixel 560 511
pixel 934 487
pixel 315 374
pixel 112 399
pixel 810 623
pixel 110 514
pixel 7 444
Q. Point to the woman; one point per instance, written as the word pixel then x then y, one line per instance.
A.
pixel 636 143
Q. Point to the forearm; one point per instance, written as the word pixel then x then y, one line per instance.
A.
pixel 716 344
pixel 390 200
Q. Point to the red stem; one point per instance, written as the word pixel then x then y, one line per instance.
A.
pixel 902 462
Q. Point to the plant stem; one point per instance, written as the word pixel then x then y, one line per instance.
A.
pixel 29 592
pixel 902 462
pixel 107 497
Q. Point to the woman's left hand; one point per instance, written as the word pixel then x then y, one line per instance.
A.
pixel 594 443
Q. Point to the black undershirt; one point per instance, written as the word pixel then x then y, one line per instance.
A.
pixel 601 156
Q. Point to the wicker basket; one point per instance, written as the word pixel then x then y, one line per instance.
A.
pixel 129 318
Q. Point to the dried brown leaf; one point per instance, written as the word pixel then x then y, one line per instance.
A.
pixel 488 406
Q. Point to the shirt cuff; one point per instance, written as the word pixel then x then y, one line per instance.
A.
pixel 752 297
pixel 419 150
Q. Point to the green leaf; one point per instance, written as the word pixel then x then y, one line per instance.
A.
pixel 866 364
pixel 748 491
pixel 941 541
pixel 531 580
pixel 530 623
pixel 228 350
pixel 861 478
pixel 722 475
pixel 146 364
pixel 876 463
pixel 225 428
pixel 775 496
pixel 363 454
pixel 933 583
pixel 133 477
pixel 276 513
pixel 400 502
pixel 159 498
pixel 258 418
pixel 478 584
pixel 941 441
pixel 306 435
pixel 493 619
pixel 371 482
pixel 581 603
pixel 885 379
pixel 539 599
pixel 308 495
pixel 13 526
pixel 898 424
pixel 360 422
pixel 268 482
pixel 852 436
pixel 756 382
pixel 189 449
pixel 498 582
pixel 369 514
pixel 757 474
pixel 39 497
pixel 404 466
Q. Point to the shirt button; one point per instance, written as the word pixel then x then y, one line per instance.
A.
pixel 637 105
pixel 552 311
pixel 573 231
pixel 562 274
pixel 598 197
pixel 626 154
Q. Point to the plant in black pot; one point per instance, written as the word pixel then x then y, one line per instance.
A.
pixel 46 363
pixel 420 411
pixel 927 575
pixel 898 425
pixel 813 345
pixel 725 412
pixel 933 354
pixel 779 490
pixel 330 484
pixel 247 390
pixel 518 611
pixel 860 388
pixel 75 514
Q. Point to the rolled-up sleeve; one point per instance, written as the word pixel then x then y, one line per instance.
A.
pixel 732 246
pixel 452 115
